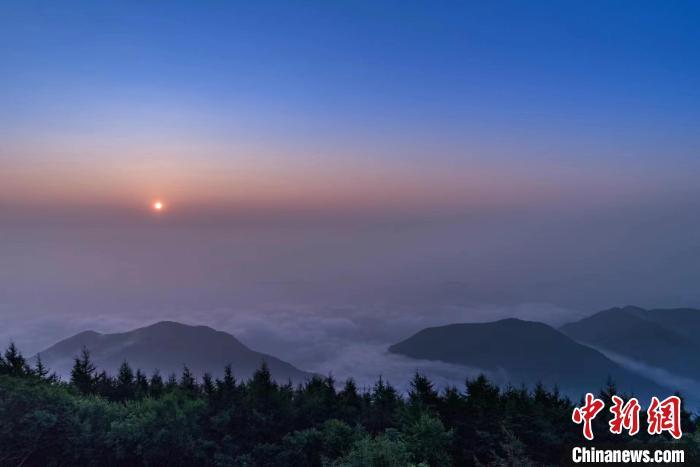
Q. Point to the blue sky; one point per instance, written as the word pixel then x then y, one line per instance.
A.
pixel 522 93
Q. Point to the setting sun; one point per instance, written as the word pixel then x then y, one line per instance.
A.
pixel 158 206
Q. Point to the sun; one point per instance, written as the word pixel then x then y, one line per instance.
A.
pixel 158 206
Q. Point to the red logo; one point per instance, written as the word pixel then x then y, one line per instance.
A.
pixel 587 413
pixel 662 416
pixel 665 415
pixel 625 416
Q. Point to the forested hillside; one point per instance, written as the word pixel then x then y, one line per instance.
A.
pixel 135 419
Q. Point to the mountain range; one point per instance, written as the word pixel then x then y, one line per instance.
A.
pixel 578 357
pixel 665 339
pixel 528 352
pixel 167 347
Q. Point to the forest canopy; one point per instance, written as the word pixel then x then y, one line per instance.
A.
pixel 136 419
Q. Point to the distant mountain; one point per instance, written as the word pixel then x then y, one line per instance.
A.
pixel 168 346
pixel 666 339
pixel 528 352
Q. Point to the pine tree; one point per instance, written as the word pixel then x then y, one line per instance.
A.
pixel 171 384
pixel 156 386
pixel 385 402
pixel 350 402
pixel 14 363
pixel 82 374
pixel 141 384
pixel 263 396
pixel 43 372
pixel 125 375
pixel 39 369
pixel 261 387
pixel 422 394
pixel 228 384
pixel 227 390
pixel 125 387
pixel 187 381
pixel 208 385
pixel 452 406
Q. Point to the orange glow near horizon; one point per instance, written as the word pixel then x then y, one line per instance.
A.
pixel 158 206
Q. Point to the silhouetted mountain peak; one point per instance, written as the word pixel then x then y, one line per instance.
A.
pixel 661 338
pixel 167 346
pixel 527 351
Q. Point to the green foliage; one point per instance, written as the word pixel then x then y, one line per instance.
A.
pixel 428 441
pixel 132 420
pixel 385 450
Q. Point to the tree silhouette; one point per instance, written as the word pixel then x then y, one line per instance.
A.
pixel 156 385
pixel 125 388
pixel 82 374
pixel 93 420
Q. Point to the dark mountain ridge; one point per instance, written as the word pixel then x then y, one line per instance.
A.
pixel 661 338
pixel 168 346
pixel 528 351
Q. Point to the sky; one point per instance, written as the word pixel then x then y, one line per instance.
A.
pixel 329 167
